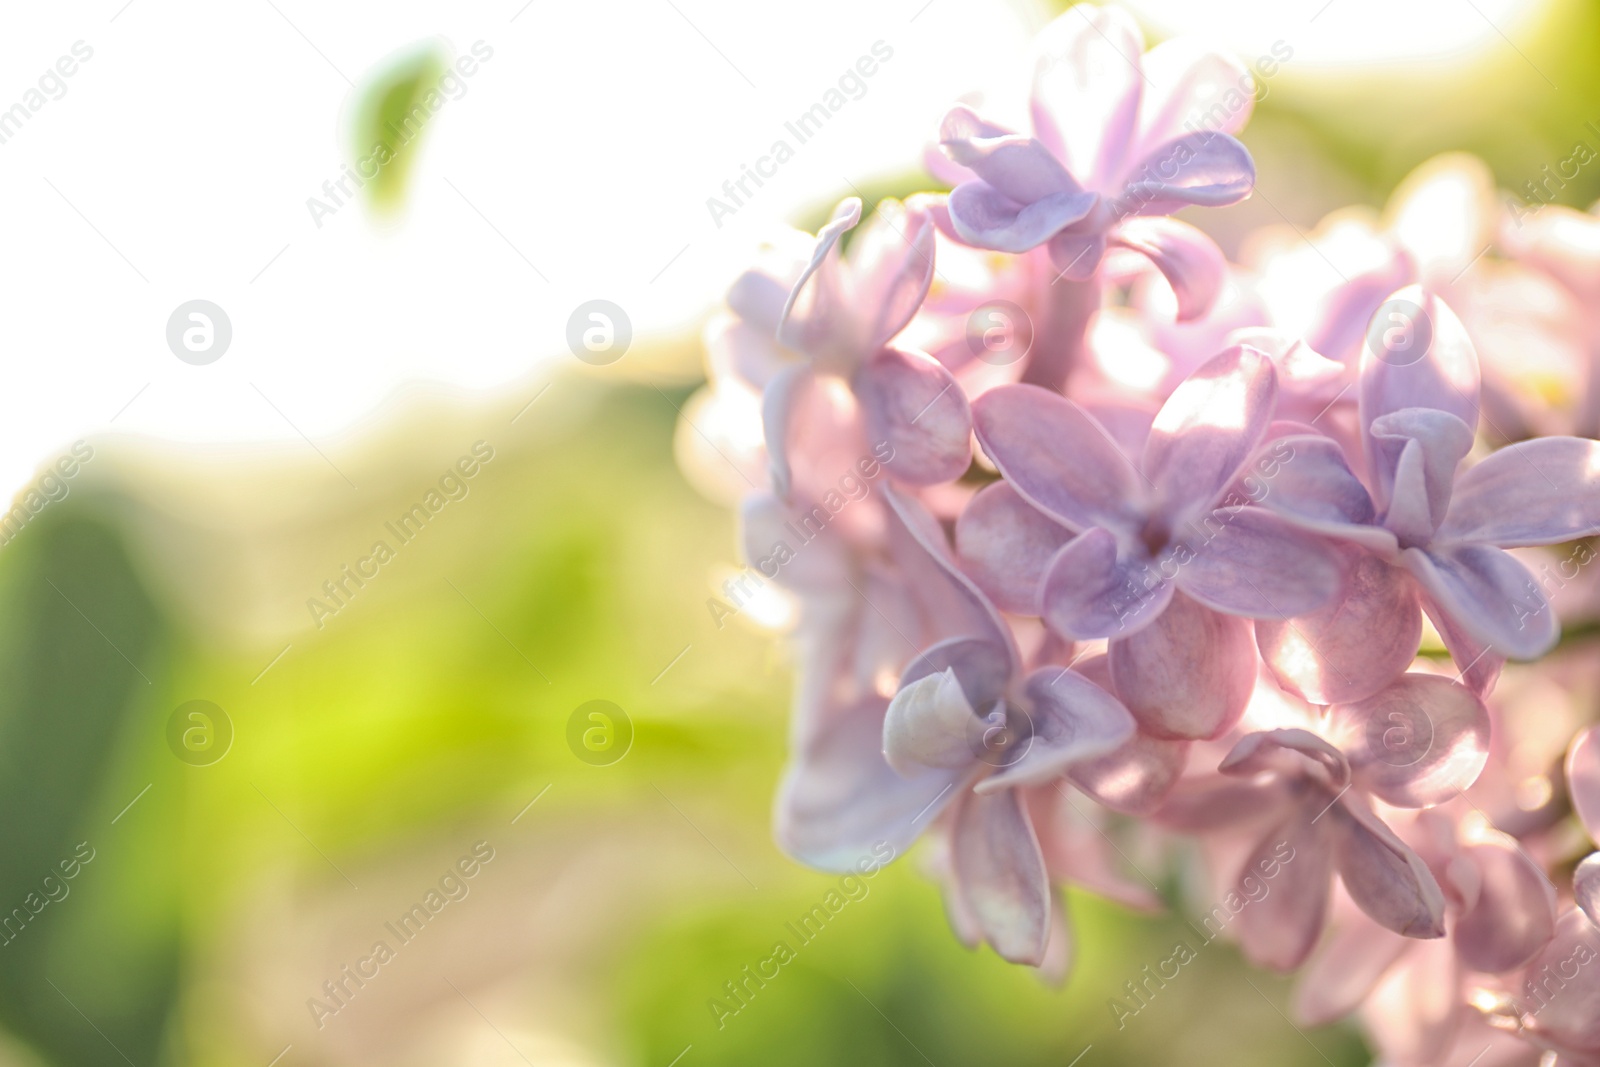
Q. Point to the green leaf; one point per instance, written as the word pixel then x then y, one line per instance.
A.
pixel 86 976
pixel 394 111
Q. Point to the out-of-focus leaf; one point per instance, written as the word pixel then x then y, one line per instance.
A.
pixel 88 970
pixel 392 114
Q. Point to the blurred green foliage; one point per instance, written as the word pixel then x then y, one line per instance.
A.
pixel 391 114
pixel 427 714
pixel 82 648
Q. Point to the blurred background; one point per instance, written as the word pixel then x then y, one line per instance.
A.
pixel 280 745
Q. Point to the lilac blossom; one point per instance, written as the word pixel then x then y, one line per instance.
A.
pixel 966 712
pixel 842 315
pixel 1583 784
pixel 1165 560
pixel 1413 996
pixel 1175 607
pixel 1315 790
pixel 1109 159
pixel 1435 531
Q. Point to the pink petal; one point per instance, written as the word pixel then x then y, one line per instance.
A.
pixel 1198 169
pixel 1415 1011
pixel 815 432
pixel 1207 430
pixel 1198 805
pixel 1086 91
pixel 818 318
pixel 1308 482
pixel 1290 753
pixel 1418 355
pixel 891 268
pixel 997 861
pixel 1059 950
pixel 1006 544
pixel 1189 674
pixel 1250 562
pixel 947 596
pixel 1415 452
pixel 939 864
pixel 1303 372
pixel 1385 878
pixel 1076 252
pixel 1019 168
pixel 1353 646
pixel 778 404
pixel 735 348
pixel 1479 665
pixel 1077 850
pixel 981 667
pixel 1057 456
pixel 914 405
pixel 1586 886
pixel 1074 720
pixel 1538 492
pixel 1191 262
pixel 1136 778
pixel 1340 324
pixel 764 524
pixel 757 299
pixel 1345 969
pixel 1515 913
pixel 1583 779
pixel 984 217
pixel 1192 87
pixel 930 724
pixel 1422 741
pixel 1562 995
pixel 1279 930
pixel 1091 592
pixel 839 798
pixel 944 170
pixel 1489 595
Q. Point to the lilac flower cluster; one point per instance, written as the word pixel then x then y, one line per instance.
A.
pixel 1221 560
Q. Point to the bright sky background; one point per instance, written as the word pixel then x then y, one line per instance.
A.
pixel 1339 34
pixel 179 161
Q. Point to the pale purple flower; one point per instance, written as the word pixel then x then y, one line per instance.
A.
pixel 1559 994
pixel 1311 790
pixel 882 604
pixel 1116 148
pixel 1414 995
pixel 966 711
pixel 1428 525
pixel 1583 786
pixel 842 316
pixel 1257 537
pixel 1166 561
